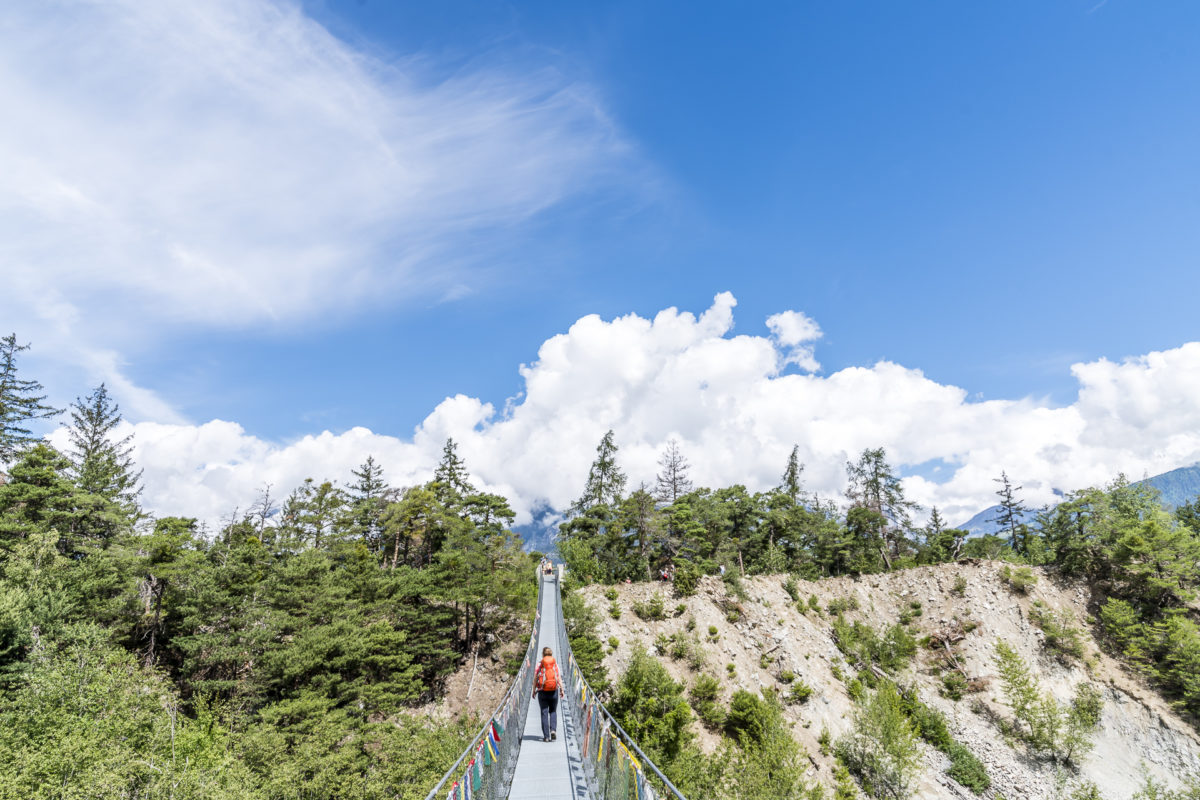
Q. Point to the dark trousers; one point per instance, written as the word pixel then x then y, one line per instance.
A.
pixel 548 702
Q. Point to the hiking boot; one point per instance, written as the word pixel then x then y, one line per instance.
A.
pixel 545 738
pixel 553 735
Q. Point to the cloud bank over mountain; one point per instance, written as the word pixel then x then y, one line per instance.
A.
pixel 736 409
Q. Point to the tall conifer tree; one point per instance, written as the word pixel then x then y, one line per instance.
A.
pixel 1010 517
pixel 451 480
pixel 673 482
pixel 874 486
pixel 605 481
pixel 100 463
pixel 791 484
pixel 20 403
pixel 367 502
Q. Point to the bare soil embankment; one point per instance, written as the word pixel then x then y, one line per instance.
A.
pixel 1139 733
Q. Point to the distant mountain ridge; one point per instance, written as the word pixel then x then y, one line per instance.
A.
pixel 1177 487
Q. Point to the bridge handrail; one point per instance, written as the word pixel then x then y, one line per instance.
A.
pixel 592 730
pixel 513 722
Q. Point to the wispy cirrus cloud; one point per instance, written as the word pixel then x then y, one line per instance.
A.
pixel 232 162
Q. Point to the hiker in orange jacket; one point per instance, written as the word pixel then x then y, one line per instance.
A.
pixel 547 688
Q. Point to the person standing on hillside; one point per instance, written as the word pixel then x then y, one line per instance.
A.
pixel 547 688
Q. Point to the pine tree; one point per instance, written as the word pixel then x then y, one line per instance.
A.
pixel 1011 515
pixel 875 487
pixel 790 484
pixel 605 480
pixel 673 482
pixel 20 402
pixel 368 500
pixel 451 480
pixel 40 496
pixel 310 515
pixel 101 464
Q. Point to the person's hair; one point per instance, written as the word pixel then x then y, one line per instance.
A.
pixel 546 651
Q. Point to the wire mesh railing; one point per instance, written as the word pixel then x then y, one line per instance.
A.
pixel 485 769
pixel 613 764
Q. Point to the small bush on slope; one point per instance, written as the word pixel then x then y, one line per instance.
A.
pixel 1062 732
pixel 882 751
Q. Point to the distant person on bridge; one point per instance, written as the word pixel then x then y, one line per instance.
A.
pixel 547 687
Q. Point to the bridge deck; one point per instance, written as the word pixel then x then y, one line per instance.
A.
pixel 549 770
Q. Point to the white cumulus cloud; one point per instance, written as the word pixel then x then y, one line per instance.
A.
pixel 798 333
pixel 736 415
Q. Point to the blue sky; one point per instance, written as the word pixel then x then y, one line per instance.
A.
pixel 986 193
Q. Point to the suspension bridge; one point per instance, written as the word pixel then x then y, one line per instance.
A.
pixel 593 757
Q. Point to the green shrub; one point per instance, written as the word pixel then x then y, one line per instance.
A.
pixel 704 692
pixel 792 588
pixel 861 644
pixel 1046 726
pixel 731 668
pixel 799 692
pixel 733 585
pixel 882 751
pixel 960 586
pixel 610 595
pixel 1062 636
pixel 787 676
pixel 839 605
pixel 755 719
pixel 931 726
pixel 814 603
pixel 653 609
pixel 713 715
pixel 687 577
pixel 954 685
pixel 684 647
pixel 1020 580
pixel 967 769
pixel 843 784
pixel 705 688
pixel 680 609
pixel 614 642
pixel 614 610
pixel 651 707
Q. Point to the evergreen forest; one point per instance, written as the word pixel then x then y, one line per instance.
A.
pixel 284 653
pixel 279 656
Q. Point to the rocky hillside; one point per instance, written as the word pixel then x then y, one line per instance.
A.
pixel 957 613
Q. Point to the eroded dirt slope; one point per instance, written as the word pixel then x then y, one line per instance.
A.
pixel 1139 733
